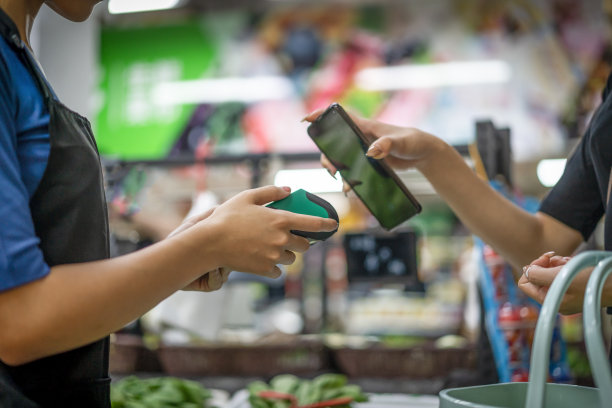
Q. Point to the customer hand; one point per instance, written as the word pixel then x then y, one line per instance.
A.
pixel 539 275
pixel 250 237
pixel 402 147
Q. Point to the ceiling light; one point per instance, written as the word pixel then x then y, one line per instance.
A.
pixel 136 6
pixel 434 75
pixel 221 90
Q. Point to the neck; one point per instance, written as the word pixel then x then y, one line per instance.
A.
pixel 23 13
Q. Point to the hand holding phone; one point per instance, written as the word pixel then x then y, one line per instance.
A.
pixel 373 181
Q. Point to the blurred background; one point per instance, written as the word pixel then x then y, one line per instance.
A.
pixel 197 100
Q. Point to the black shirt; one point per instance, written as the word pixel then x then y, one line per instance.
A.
pixel 580 198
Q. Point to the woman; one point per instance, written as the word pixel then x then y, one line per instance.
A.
pixel 60 296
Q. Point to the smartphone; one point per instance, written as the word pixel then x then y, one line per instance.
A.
pixel 373 181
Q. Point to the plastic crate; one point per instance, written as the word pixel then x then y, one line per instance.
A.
pixel 424 361
pixel 259 360
pixel 128 354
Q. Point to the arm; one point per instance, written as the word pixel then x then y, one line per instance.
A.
pixel 80 303
pixel 517 235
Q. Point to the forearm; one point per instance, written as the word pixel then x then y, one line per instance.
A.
pixel 80 303
pixel 516 234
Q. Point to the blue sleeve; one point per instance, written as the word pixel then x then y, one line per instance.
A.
pixel 21 259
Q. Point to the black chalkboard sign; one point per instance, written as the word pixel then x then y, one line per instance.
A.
pixel 388 258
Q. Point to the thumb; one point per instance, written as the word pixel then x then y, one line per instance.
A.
pixel 380 148
pixel 312 116
pixel 264 195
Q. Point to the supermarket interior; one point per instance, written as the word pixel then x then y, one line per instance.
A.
pixel 194 101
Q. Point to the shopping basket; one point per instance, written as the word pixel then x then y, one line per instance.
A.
pixel 537 393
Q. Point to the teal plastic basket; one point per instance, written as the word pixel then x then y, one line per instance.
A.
pixel 537 393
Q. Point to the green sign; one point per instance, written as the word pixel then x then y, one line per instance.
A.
pixel 134 122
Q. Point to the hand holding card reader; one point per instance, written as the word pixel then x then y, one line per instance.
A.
pixel 303 202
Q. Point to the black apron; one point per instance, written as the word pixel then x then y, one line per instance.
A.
pixel 70 218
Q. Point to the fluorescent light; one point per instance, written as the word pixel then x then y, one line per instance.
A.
pixel 434 75
pixel 311 180
pixel 549 171
pixel 135 6
pixel 220 90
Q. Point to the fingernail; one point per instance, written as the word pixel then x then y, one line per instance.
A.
pixel 524 269
pixel 527 272
pixel 550 253
pixel 305 118
pixel 288 189
pixel 331 174
pixel 567 258
pixel 374 152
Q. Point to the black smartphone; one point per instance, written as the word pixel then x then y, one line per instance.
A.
pixel 373 181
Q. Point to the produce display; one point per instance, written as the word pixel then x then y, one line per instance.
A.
pixel 161 392
pixel 289 391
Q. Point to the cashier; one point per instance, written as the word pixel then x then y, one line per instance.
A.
pixel 60 295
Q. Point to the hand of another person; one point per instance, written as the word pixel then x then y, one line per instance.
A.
pixel 402 147
pixel 539 275
pixel 253 238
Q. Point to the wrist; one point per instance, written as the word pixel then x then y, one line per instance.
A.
pixel 204 243
pixel 437 152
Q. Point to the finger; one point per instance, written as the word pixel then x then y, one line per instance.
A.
pixel 297 244
pixel 380 148
pixel 302 222
pixel 215 280
pixel 558 260
pixel 287 258
pixel 543 260
pixel 312 116
pixel 264 195
pixel 224 273
pixel 328 165
pixel 542 276
pixel 346 187
pixel 275 273
pixel 533 291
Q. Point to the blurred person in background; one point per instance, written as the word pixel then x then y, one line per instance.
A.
pixel 60 295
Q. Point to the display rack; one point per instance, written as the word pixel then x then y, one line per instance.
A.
pixel 509 316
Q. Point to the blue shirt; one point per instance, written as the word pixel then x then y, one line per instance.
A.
pixel 24 151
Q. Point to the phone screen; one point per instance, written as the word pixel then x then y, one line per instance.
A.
pixel 375 183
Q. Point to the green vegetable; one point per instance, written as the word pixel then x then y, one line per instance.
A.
pixel 330 380
pixel 285 383
pixel 322 388
pixel 161 392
